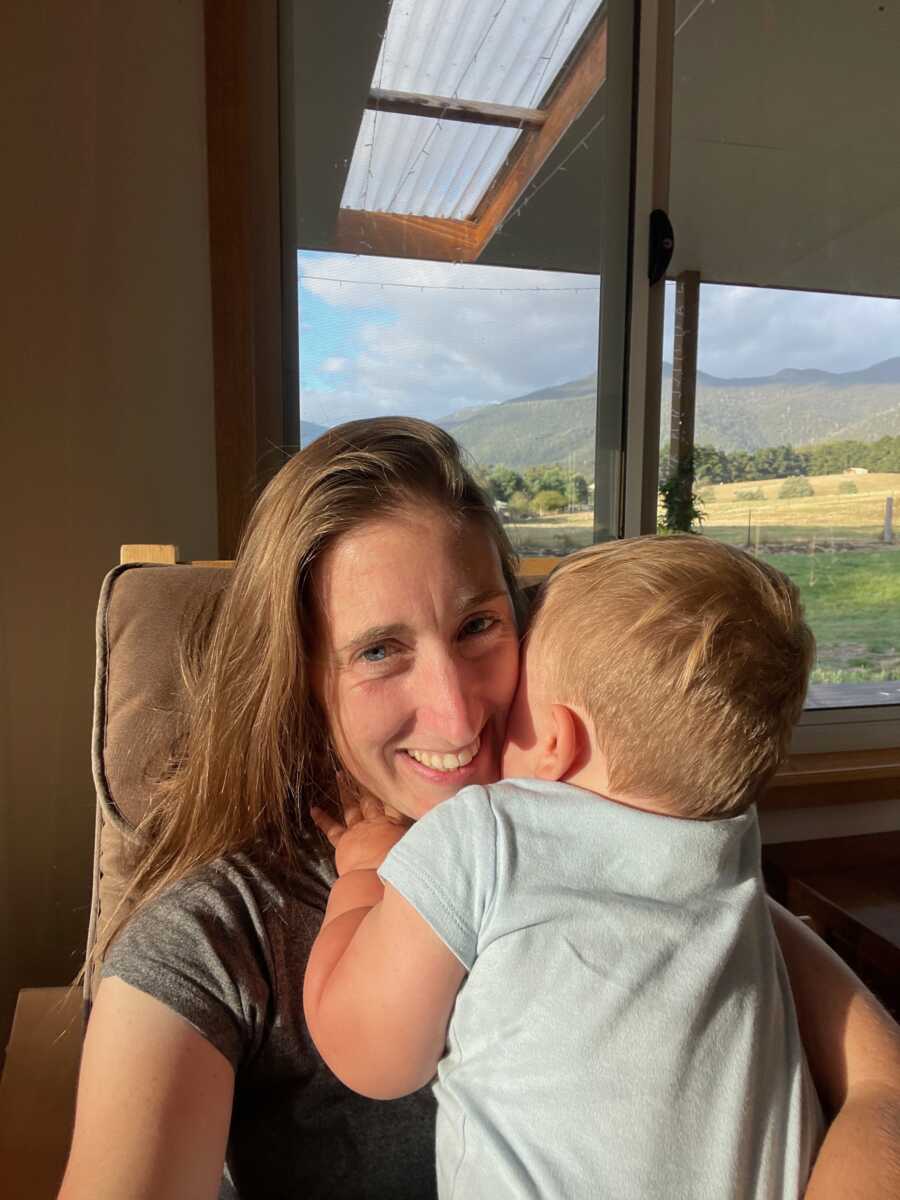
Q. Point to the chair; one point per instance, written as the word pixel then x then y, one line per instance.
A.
pixel 143 610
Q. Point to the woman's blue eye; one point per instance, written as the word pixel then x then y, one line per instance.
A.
pixel 477 625
pixel 374 654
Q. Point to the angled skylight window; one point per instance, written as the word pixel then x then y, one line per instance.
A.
pixel 469 62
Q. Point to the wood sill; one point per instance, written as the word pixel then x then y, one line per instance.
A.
pixel 844 777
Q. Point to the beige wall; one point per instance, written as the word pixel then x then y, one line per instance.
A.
pixel 106 422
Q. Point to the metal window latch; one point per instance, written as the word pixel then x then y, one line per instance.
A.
pixel 662 245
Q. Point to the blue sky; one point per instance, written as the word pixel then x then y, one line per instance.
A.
pixel 455 335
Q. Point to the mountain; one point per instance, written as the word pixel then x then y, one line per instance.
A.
pixel 309 431
pixel 792 407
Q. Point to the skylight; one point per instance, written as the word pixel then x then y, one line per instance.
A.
pixel 506 52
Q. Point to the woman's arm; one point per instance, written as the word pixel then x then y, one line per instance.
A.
pixel 853 1048
pixel 154 1105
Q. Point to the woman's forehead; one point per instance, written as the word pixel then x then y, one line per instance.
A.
pixel 404 569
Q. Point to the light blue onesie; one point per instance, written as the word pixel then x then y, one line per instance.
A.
pixel 626 1030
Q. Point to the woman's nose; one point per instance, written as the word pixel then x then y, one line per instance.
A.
pixel 451 709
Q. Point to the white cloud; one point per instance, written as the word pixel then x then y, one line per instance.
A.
pixel 452 336
pixel 457 335
pixel 759 331
pixel 333 365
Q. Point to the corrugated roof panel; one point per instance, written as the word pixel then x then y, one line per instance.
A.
pixel 422 165
pixel 500 51
pixel 497 51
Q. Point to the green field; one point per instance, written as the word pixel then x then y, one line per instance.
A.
pixel 831 545
pixel 852 602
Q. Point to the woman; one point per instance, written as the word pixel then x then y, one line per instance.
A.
pixel 371 627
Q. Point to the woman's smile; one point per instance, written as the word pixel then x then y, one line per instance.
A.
pixel 422 657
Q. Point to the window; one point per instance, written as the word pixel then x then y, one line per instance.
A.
pixel 503 358
pixel 785 198
pixel 463 178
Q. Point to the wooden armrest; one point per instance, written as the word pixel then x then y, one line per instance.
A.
pixel 37 1092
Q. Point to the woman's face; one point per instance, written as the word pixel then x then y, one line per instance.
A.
pixel 420 656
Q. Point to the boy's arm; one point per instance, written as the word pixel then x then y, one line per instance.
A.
pixel 380 983
pixel 853 1048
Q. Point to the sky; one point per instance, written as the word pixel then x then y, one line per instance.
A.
pixel 381 335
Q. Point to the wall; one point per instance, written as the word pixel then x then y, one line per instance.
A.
pixel 106 418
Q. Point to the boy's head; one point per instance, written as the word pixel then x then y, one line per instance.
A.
pixel 683 665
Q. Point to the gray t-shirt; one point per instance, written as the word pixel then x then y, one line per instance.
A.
pixel 626 1029
pixel 227 950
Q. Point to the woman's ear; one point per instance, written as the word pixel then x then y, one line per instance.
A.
pixel 561 747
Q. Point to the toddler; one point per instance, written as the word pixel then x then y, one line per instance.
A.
pixel 582 953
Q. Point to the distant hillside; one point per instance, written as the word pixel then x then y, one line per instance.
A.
pixel 309 431
pixel 793 407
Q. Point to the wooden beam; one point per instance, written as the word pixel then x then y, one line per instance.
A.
pixel 447 108
pixel 576 89
pixel 684 371
pixel 399 236
pixel 245 253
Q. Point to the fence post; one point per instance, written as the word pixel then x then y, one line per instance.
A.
pixel 889 519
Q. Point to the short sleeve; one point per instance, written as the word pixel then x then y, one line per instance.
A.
pixel 445 868
pixel 200 949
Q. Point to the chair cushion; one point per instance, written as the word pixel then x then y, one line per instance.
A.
pixel 144 611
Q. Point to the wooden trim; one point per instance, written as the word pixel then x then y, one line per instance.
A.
pixel 241 42
pixel 538 567
pixel 136 552
pixel 571 97
pixel 447 108
pixel 400 236
pixel 833 854
pixel 843 777
pixel 684 371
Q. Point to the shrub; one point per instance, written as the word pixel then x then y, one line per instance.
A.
pixel 549 500
pixel 847 488
pixel 796 486
pixel 520 505
pixel 750 494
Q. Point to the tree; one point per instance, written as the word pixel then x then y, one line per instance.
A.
pixel 710 465
pixel 683 509
pixel 795 487
pixel 549 500
pixel 520 505
pixel 546 478
pixel 502 482
pixel 579 489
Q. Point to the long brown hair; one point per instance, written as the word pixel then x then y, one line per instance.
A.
pixel 255 751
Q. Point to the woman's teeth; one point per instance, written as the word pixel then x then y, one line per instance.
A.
pixel 446 762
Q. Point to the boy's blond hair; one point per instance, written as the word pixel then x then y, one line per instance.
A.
pixel 691 658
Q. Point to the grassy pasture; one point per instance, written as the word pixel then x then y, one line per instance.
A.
pixel 824 518
pixel 829 543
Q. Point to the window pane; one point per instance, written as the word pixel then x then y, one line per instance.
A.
pixel 503 359
pixel 450 267
pixel 785 195
pixel 797 458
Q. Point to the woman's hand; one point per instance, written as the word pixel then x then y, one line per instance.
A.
pixel 367 834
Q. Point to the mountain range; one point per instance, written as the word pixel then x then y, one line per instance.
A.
pixel 792 407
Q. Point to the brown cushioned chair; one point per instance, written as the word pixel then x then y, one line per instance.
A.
pixel 144 611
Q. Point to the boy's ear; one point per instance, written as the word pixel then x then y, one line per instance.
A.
pixel 561 748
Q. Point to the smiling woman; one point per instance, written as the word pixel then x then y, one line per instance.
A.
pixel 421 656
pixel 369 629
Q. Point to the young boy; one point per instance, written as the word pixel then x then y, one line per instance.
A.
pixel 595 930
